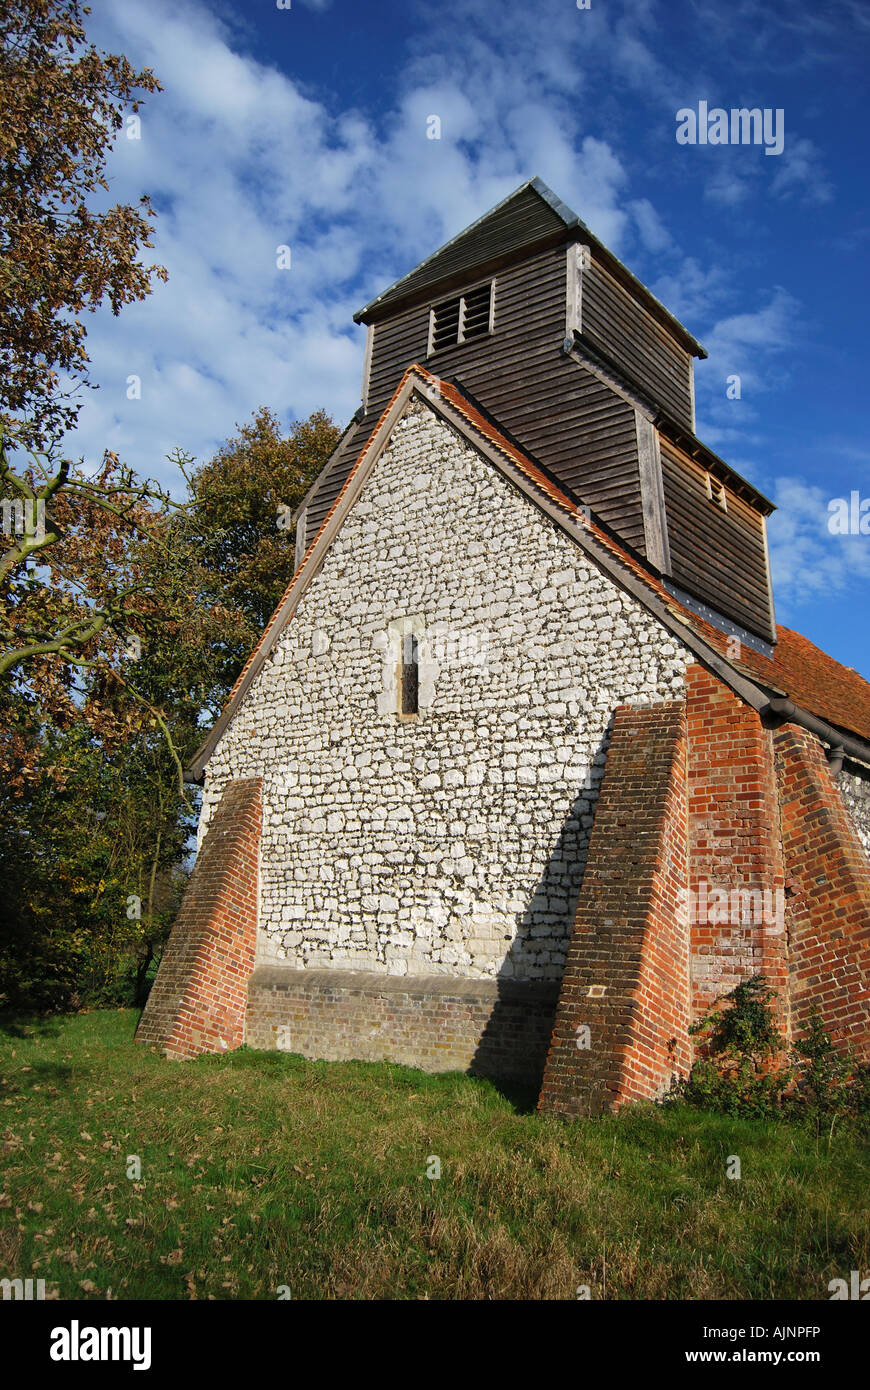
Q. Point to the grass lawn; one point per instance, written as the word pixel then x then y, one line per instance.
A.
pixel 261 1170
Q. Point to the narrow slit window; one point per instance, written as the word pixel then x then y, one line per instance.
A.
pixel 410 675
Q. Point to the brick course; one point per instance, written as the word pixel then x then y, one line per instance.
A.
pixel 829 902
pixel 734 839
pixel 630 937
pixel 492 1028
pixel 197 1003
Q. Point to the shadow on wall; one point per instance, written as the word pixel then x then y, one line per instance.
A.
pixel 514 1044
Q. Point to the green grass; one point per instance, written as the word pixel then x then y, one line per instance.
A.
pixel 262 1169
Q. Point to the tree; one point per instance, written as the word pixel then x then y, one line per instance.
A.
pixel 126 616
pixel 99 708
pixel 244 498
pixel 89 869
pixel 111 572
pixel 162 606
pixel 63 102
pixel 113 560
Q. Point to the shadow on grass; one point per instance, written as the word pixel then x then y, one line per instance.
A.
pixel 55 1074
pixel 14 1025
pixel 520 1096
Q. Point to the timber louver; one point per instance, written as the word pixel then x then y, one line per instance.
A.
pixel 461 319
pixel 445 324
pixel 476 309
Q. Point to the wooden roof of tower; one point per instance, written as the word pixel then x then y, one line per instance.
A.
pixel 529 219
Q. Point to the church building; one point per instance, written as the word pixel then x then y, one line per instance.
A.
pixel 523 775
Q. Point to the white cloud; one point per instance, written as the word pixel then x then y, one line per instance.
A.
pixel 240 159
pixel 653 233
pixel 692 291
pixel 799 171
pixel 755 347
pixel 808 562
pixel 728 188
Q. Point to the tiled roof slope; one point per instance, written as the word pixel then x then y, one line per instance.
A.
pixel 813 680
pixel 798 669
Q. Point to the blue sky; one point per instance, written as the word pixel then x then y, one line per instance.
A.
pixel 307 127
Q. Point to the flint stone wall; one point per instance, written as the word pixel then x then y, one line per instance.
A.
pixel 452 843
pixel 855 788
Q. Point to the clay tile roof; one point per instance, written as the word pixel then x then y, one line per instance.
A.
pixel 814 680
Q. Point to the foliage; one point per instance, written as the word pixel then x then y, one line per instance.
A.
pixel 245 497
pixel 126 615
pixel 741 1069
pixel 63 103
pixel 88 877
pixel 747 1069
pixel 830 1082
pixel 99 568
pixel 160 605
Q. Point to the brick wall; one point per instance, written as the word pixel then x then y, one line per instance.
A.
pixel 829 899
pixel 627 972
pixel 438 1023
pixel 734 845
pixel 197 1003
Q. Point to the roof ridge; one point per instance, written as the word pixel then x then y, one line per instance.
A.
pixel 530 183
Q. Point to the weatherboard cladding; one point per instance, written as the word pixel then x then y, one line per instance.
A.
pixel 622 328
pixel 524 227
pixel 717 555
pixel 567 419
pixel 333 477
pixel 567 409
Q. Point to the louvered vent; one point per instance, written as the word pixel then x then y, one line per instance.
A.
pixel 445 324
pixel 716 492
pixel 475 314
pixel 457 320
